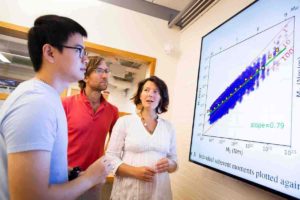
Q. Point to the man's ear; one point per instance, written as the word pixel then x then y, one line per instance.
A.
pixel 48 53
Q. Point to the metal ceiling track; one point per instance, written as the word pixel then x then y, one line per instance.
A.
pixel 145 7
pixel 191 11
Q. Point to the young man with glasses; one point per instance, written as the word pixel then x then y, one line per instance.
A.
pixel 33 126
pixel 90 117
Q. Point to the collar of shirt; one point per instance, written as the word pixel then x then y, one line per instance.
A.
pixel 86 101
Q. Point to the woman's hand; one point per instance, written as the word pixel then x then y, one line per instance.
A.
pixel 162 165
pixel 165 165
pixel 144 173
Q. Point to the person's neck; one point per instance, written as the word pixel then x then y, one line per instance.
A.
pixel 148 114
pixel 92 95
pixel 52 80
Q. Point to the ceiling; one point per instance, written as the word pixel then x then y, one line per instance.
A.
pixel 178 13
pixel 173 4
pixel 188 10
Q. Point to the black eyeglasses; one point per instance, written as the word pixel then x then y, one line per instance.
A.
pixel 81 50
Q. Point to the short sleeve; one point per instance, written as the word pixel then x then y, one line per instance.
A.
pixel 30 125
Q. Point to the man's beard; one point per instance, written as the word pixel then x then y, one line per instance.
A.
pixel 99 88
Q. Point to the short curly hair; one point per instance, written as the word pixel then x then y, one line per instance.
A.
pixel 163 91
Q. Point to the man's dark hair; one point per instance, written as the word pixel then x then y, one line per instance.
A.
pixel 50 29
pixel 163 91
pixel 94 62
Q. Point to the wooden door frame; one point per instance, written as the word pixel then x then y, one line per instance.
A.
pixel 21 32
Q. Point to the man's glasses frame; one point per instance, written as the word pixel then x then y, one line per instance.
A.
pixel 102 71
pixel 81 50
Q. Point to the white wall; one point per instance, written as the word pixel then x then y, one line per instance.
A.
pixel 1 102
pixel 107 25
pixel 193 181
pixel 117 27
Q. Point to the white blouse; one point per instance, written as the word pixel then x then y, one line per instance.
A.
pixel 132 144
